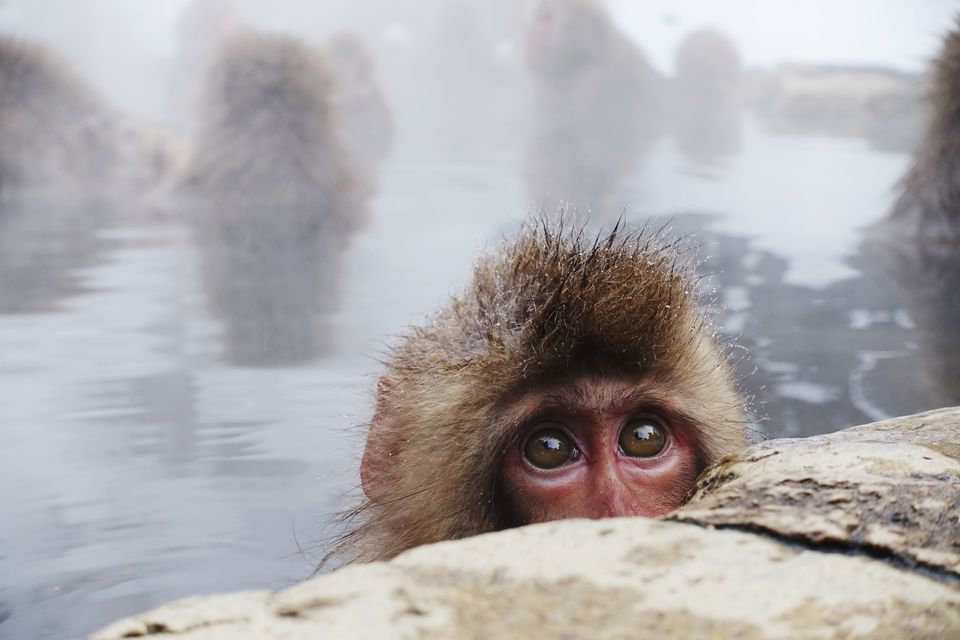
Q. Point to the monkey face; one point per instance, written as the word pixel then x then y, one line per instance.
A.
pixel 565 35
pixel 597 448
pixel 574 378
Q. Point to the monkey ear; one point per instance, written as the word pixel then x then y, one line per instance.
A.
pixel 382 447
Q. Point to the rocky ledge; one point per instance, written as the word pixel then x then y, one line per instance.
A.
pixel 848 535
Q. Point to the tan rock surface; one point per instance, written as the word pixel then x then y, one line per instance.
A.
pixel 851 535
pixel 890 489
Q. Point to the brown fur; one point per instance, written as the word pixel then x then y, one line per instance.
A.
pixel 273 198
pixel 930 203
pixel 548 304
pixel 55 131
pixel 267 133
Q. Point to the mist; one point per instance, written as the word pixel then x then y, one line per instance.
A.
pixel 216 218
pixel 128 49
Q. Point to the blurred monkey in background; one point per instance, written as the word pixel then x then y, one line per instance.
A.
pixel 274 196
pixel 597 104
pixel 363 118
pixel 706 96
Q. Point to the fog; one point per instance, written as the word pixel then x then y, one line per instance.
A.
pixel 127 48
pixel 209 241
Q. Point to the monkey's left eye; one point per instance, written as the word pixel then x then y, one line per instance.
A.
pixel 549 448
pixel 643 438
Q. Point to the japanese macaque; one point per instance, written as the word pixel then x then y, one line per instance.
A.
pixel 59 138
pixel 267 134
pixel 597 104
pixel 574 377
pixel 66 158
pixel 54 129
pixel 361 113
pixel 59 151
pixel 930 203
pixel 920 239
pixel 706 96
pixel 274 198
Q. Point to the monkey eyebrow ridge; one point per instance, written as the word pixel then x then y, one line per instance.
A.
pixel 590 398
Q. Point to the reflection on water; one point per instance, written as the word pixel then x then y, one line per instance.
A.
pixel 926 276
pixel 855 350
pixel 44 243
pixel 130 452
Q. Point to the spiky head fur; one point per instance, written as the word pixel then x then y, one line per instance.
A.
pixel 550 304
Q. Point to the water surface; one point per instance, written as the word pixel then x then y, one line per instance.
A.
pixel 141 463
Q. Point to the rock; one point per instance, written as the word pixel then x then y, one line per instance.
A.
pixel 848 535
pixel 890 489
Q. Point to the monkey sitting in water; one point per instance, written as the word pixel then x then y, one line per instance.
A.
pixel 597 104
pixel 574 377
pixel 362 115
pixel 274 198
pixel 54 129
pixel 58 136
pixel 920 238
pixel 929 206
pixel 266 131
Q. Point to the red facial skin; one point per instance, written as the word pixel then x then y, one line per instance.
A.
pixel 602 481
pixel 541 29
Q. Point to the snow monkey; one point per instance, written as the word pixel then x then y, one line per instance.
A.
pixel 929 205
pixel 575 377
pixel 56 132
pixel 275 198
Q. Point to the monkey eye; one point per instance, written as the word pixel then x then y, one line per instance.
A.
pixel 549 449
pixel 642 438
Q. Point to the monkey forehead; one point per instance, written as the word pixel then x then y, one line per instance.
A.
pixel 590 395
pixel 555 298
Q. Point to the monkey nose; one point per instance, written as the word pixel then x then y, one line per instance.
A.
pixel 613 499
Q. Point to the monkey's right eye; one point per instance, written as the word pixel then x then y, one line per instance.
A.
pixel 549 449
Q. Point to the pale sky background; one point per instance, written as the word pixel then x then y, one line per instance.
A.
pixel 897 33
pixel 120 43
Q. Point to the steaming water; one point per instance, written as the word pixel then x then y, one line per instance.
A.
pixel 138 466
